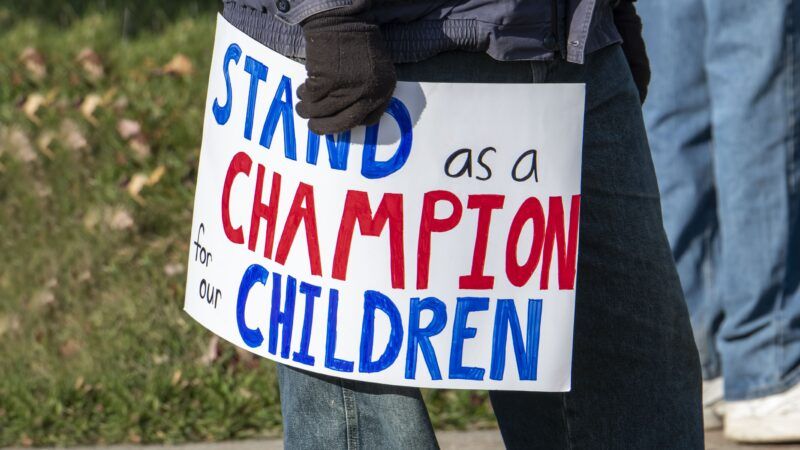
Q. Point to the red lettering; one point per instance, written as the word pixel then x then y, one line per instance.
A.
pixel 485 204
pixel 554 234
pixel 532 210
pixel 241 163
pixel 268 212
pixel 430 224
pixel 357 209
pixel 302 210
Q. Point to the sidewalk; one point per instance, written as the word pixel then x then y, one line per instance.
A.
pixel 448 440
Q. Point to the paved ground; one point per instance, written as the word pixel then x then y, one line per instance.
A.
pixel 449 440
pixel 715 441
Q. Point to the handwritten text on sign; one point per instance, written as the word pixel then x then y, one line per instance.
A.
pixel 437 248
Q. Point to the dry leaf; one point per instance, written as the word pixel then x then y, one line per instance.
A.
pixel 118 219
pixel 244 393
pixel 140 147
pixel 43 143
pixel 180 65
pixel 109 95
pixel 17 144
pixel 72 136
pixel 34 63
pixel 138 181
pixel 176 377
pixel 91 64
pixel 16 79
pixel 212 351
pixel 8 323
pixel 91 218
pixel 173 269
pixel 43 298
pixel 42 190
pixel 128 128
pixel 89 104
pixel 69 348
pixel 120 103
pixel 31 105
pixel 155 175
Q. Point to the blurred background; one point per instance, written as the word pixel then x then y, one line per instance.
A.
pixel 101 106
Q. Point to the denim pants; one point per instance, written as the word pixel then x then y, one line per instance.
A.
pixel 636 374
pixel 722 117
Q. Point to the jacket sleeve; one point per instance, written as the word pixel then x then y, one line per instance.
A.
pixel 295 11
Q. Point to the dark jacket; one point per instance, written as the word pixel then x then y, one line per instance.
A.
pixel 507 30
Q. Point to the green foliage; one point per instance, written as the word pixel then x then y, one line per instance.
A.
pixel 95 345
pixel 133 16
pixel 99 141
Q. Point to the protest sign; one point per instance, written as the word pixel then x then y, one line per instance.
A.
pixel 437 248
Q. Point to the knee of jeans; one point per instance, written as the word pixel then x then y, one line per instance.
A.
pixel 313 410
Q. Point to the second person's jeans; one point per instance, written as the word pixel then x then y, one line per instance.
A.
pixel 722 117
pixel 635 376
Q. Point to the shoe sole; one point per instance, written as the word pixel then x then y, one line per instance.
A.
pixel 764 430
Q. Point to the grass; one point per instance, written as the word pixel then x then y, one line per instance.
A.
pixel 99 140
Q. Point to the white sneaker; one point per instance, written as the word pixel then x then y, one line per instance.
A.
pixel 772 419
pixel 713 404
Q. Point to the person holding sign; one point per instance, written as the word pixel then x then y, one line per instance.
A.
pixel 635 370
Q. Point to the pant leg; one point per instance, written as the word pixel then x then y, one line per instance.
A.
pixel 635 370
pixel 321 412
pixel 331 413
pixel 678 120
pixel 752 67
pixel 636 374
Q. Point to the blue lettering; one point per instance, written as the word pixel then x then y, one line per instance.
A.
pixel 284 318
pixel 338 149
pixel 311 292
pixel 281 107
pixel 375 300
pixel 527 358
pixel 370 168
pixel 331 362
pixel 464 306
pixel 422 336
pixel 254 274
pixel 258 72
pixel 223 113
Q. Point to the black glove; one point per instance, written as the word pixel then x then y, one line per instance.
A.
pixel 630 27
pixel 351 76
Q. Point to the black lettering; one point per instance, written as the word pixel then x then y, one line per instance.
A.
pixel 532 171
pixel 482 164
pixel 466 168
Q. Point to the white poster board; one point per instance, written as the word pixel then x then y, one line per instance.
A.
pixel 435 249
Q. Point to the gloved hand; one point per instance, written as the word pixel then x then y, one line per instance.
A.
pixel 630 27
pixel 351 76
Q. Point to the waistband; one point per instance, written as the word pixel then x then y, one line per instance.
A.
pixel 407 42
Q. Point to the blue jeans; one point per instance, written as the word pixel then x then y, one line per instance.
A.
pixel 722 117
pixel 636 374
